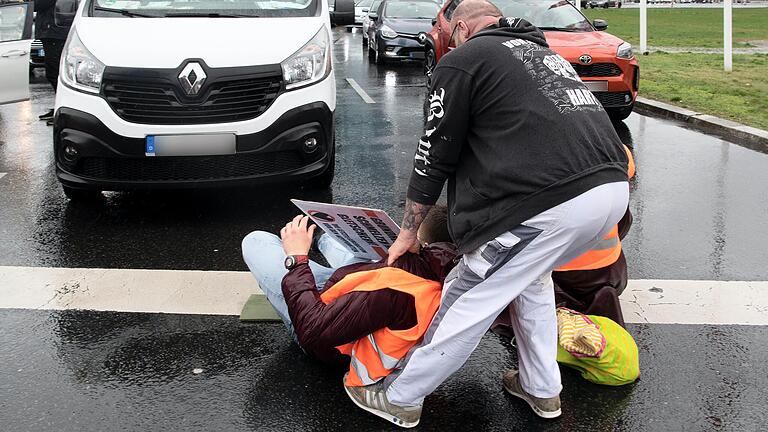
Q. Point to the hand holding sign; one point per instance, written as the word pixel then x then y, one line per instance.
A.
pixel 297 238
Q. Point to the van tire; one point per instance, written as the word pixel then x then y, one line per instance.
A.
pixel 81 195
pixel 324 180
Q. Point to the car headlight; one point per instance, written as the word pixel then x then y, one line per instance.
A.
pixel 82 70
pixel 625 51
pixel 387 32
pixel 310 64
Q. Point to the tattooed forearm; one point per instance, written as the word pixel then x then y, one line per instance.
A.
pixel 414 215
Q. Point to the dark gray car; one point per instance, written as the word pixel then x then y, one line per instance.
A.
pixel 395 29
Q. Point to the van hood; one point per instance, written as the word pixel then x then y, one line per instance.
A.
pixel 594 40
pixel 220 42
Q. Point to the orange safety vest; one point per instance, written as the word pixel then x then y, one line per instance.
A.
pixel 608 250
pixel 373 357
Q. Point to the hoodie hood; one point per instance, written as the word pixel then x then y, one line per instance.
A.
pixel 515 28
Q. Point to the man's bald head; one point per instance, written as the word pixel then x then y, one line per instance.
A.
pixel 472 16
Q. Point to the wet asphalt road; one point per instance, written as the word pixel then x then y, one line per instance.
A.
pixel 700 210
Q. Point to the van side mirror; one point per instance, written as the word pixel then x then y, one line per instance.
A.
pixel 600 25
pixel 64 13
pixel 434 21
pixel 344 13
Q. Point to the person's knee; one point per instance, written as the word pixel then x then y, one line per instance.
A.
pixel 257 240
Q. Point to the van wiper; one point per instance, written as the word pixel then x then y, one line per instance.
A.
pixel 124 12
pixel 206 15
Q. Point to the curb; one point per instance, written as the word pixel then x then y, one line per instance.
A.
pixel 748 136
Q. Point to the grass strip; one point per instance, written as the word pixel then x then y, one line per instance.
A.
pixel 685 27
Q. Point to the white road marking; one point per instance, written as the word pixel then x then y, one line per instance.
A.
pixel 367 99
pixel 162 291
pixel 2 175
pixel 224 293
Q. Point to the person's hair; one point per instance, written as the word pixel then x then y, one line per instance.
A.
pixel 434 227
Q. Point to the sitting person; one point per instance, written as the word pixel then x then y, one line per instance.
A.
pixel 354 308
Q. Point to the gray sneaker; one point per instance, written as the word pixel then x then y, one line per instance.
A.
pixel 373 398
pixel 543 407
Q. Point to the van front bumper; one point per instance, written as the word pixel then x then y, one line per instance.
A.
pixel 91 156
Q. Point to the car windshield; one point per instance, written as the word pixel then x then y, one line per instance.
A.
pixel 547 15
pixel 411 10
pixel 205 8
pixel 363 3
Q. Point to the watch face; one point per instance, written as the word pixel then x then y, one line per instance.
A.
pixel 289 262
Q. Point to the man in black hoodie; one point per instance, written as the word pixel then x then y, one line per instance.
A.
pixel 536 176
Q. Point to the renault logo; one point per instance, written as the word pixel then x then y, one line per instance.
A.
pixel 585 59
pixel 192 78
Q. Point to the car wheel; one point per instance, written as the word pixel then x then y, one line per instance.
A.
pixel 324 180
pixel 619 114
pixel 429 64
pixel 81 195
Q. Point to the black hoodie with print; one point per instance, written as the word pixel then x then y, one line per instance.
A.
pixel 514 131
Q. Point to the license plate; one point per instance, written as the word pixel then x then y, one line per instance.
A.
pixel 190 145
pixel 597 86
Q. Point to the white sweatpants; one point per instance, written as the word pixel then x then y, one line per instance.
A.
pixel 515 268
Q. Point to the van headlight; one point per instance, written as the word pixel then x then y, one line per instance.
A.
pixel 310 64
pixel 387 32
pixel 625 51
pixel 82 70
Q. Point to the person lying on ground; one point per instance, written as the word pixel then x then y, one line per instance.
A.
pixel 329 307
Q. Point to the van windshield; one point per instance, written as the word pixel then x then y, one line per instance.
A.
pixel 204 8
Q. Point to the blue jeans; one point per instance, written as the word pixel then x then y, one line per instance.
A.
pixel 264 255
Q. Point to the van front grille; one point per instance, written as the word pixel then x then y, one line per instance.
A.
pixel 222 101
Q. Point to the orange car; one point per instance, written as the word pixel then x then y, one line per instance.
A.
pixel 604 62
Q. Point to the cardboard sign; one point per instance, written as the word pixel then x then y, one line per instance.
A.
pixel 367 233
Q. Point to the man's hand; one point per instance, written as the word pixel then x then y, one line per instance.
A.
pixel 407 240
pixel 297 238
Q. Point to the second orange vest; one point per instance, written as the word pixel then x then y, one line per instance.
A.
pixel 608 250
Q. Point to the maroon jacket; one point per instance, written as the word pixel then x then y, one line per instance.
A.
pixel 320 328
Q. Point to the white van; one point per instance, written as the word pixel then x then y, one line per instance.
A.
pixel 191 93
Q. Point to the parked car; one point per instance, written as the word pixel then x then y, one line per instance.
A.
pixel 366 25
pixel 15 39
pixel 36 55
pixel 341 12
pixel 605 4
pixel 605 63
pixel 361 10
pixel 161 95
pixel 395 29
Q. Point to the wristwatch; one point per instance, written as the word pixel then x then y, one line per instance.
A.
pixel 291 261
